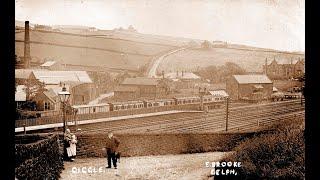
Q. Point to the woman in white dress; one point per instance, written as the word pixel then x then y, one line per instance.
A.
pixel 72 150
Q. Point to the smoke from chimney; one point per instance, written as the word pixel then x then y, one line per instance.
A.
pixel 27 57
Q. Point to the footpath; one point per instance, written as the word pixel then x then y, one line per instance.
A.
pixel 182 166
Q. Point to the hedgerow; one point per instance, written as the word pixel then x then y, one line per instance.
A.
pixel 274 154
pixel 39 159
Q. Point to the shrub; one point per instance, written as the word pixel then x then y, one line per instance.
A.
pixel 38 160
pixel 275 154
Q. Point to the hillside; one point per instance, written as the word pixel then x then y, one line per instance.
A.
pixel 251 59
pixel 80 49
pixel 82 45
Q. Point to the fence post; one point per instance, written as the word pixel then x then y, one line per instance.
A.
pixel 24 129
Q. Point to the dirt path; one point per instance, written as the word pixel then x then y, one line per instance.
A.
pixel 156 63
pixel 185 166
pixel 101 96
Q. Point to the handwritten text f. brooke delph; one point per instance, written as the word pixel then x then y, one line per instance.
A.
pixel 223 168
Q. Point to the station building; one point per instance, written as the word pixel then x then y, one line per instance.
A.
pixel 140 87
pixel 249 87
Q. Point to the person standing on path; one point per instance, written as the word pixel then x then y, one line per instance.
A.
pixel 66 143
pixel 72 149
pixel 112 145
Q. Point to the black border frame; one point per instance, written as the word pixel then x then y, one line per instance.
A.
pixel 312 89
pixel 7 9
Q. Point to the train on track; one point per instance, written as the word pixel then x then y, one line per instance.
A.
pixel 128 105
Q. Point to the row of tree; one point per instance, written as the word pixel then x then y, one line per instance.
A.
pixel 219 74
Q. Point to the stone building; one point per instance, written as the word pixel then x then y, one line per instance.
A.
pixel 126 92
pixel 51 65
pixel 20 95
pixel 284 68
pixel 47 101
pixel 249 87
pixel 79 84
pixel 183 79
pixel 139 87
pixel 23 75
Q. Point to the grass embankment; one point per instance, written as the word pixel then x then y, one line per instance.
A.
pixel 278 153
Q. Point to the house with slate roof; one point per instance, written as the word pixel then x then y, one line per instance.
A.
pixel 249 87
pixel 140 87
pixel 51 65
pixel 285 68
pixel 183 79
pixel 79 84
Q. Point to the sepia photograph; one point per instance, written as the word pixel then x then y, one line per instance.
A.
pixel 159 89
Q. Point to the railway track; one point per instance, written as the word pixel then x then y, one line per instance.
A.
pixel 131 123
pixel 241 118
pixel 217 123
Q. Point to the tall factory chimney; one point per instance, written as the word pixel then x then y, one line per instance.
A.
pixel 27 57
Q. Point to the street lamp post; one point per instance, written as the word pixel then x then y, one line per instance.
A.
pixel 64 97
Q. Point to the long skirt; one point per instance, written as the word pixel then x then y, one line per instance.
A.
pixel 72 150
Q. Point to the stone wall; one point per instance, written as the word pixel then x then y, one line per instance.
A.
pixel 91 145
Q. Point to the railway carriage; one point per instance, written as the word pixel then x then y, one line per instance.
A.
pixel 210 99
pixel 89 109
pixel 119 106
pixel 168 102
pixel 153 103
pixel 186 100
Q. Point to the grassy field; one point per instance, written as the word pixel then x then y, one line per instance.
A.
pixel 192 59
pixel 80 56
pixel 79 49
pixel 128 50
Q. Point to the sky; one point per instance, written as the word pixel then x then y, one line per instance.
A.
pixel 275 24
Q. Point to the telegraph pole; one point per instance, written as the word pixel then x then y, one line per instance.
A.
pixel 201 94
pixel 227 112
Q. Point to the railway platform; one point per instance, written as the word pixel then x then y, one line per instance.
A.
pixel 91 121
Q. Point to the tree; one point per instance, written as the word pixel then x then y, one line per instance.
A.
pixel 206 45
pixel 165 85
pixel 132 29
pixel 15 59
pixel 193 44
pixel 302 79
pixel 142 70
pixel 121 77
pixel 17 62
pixel 219 74
pixel 33 87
